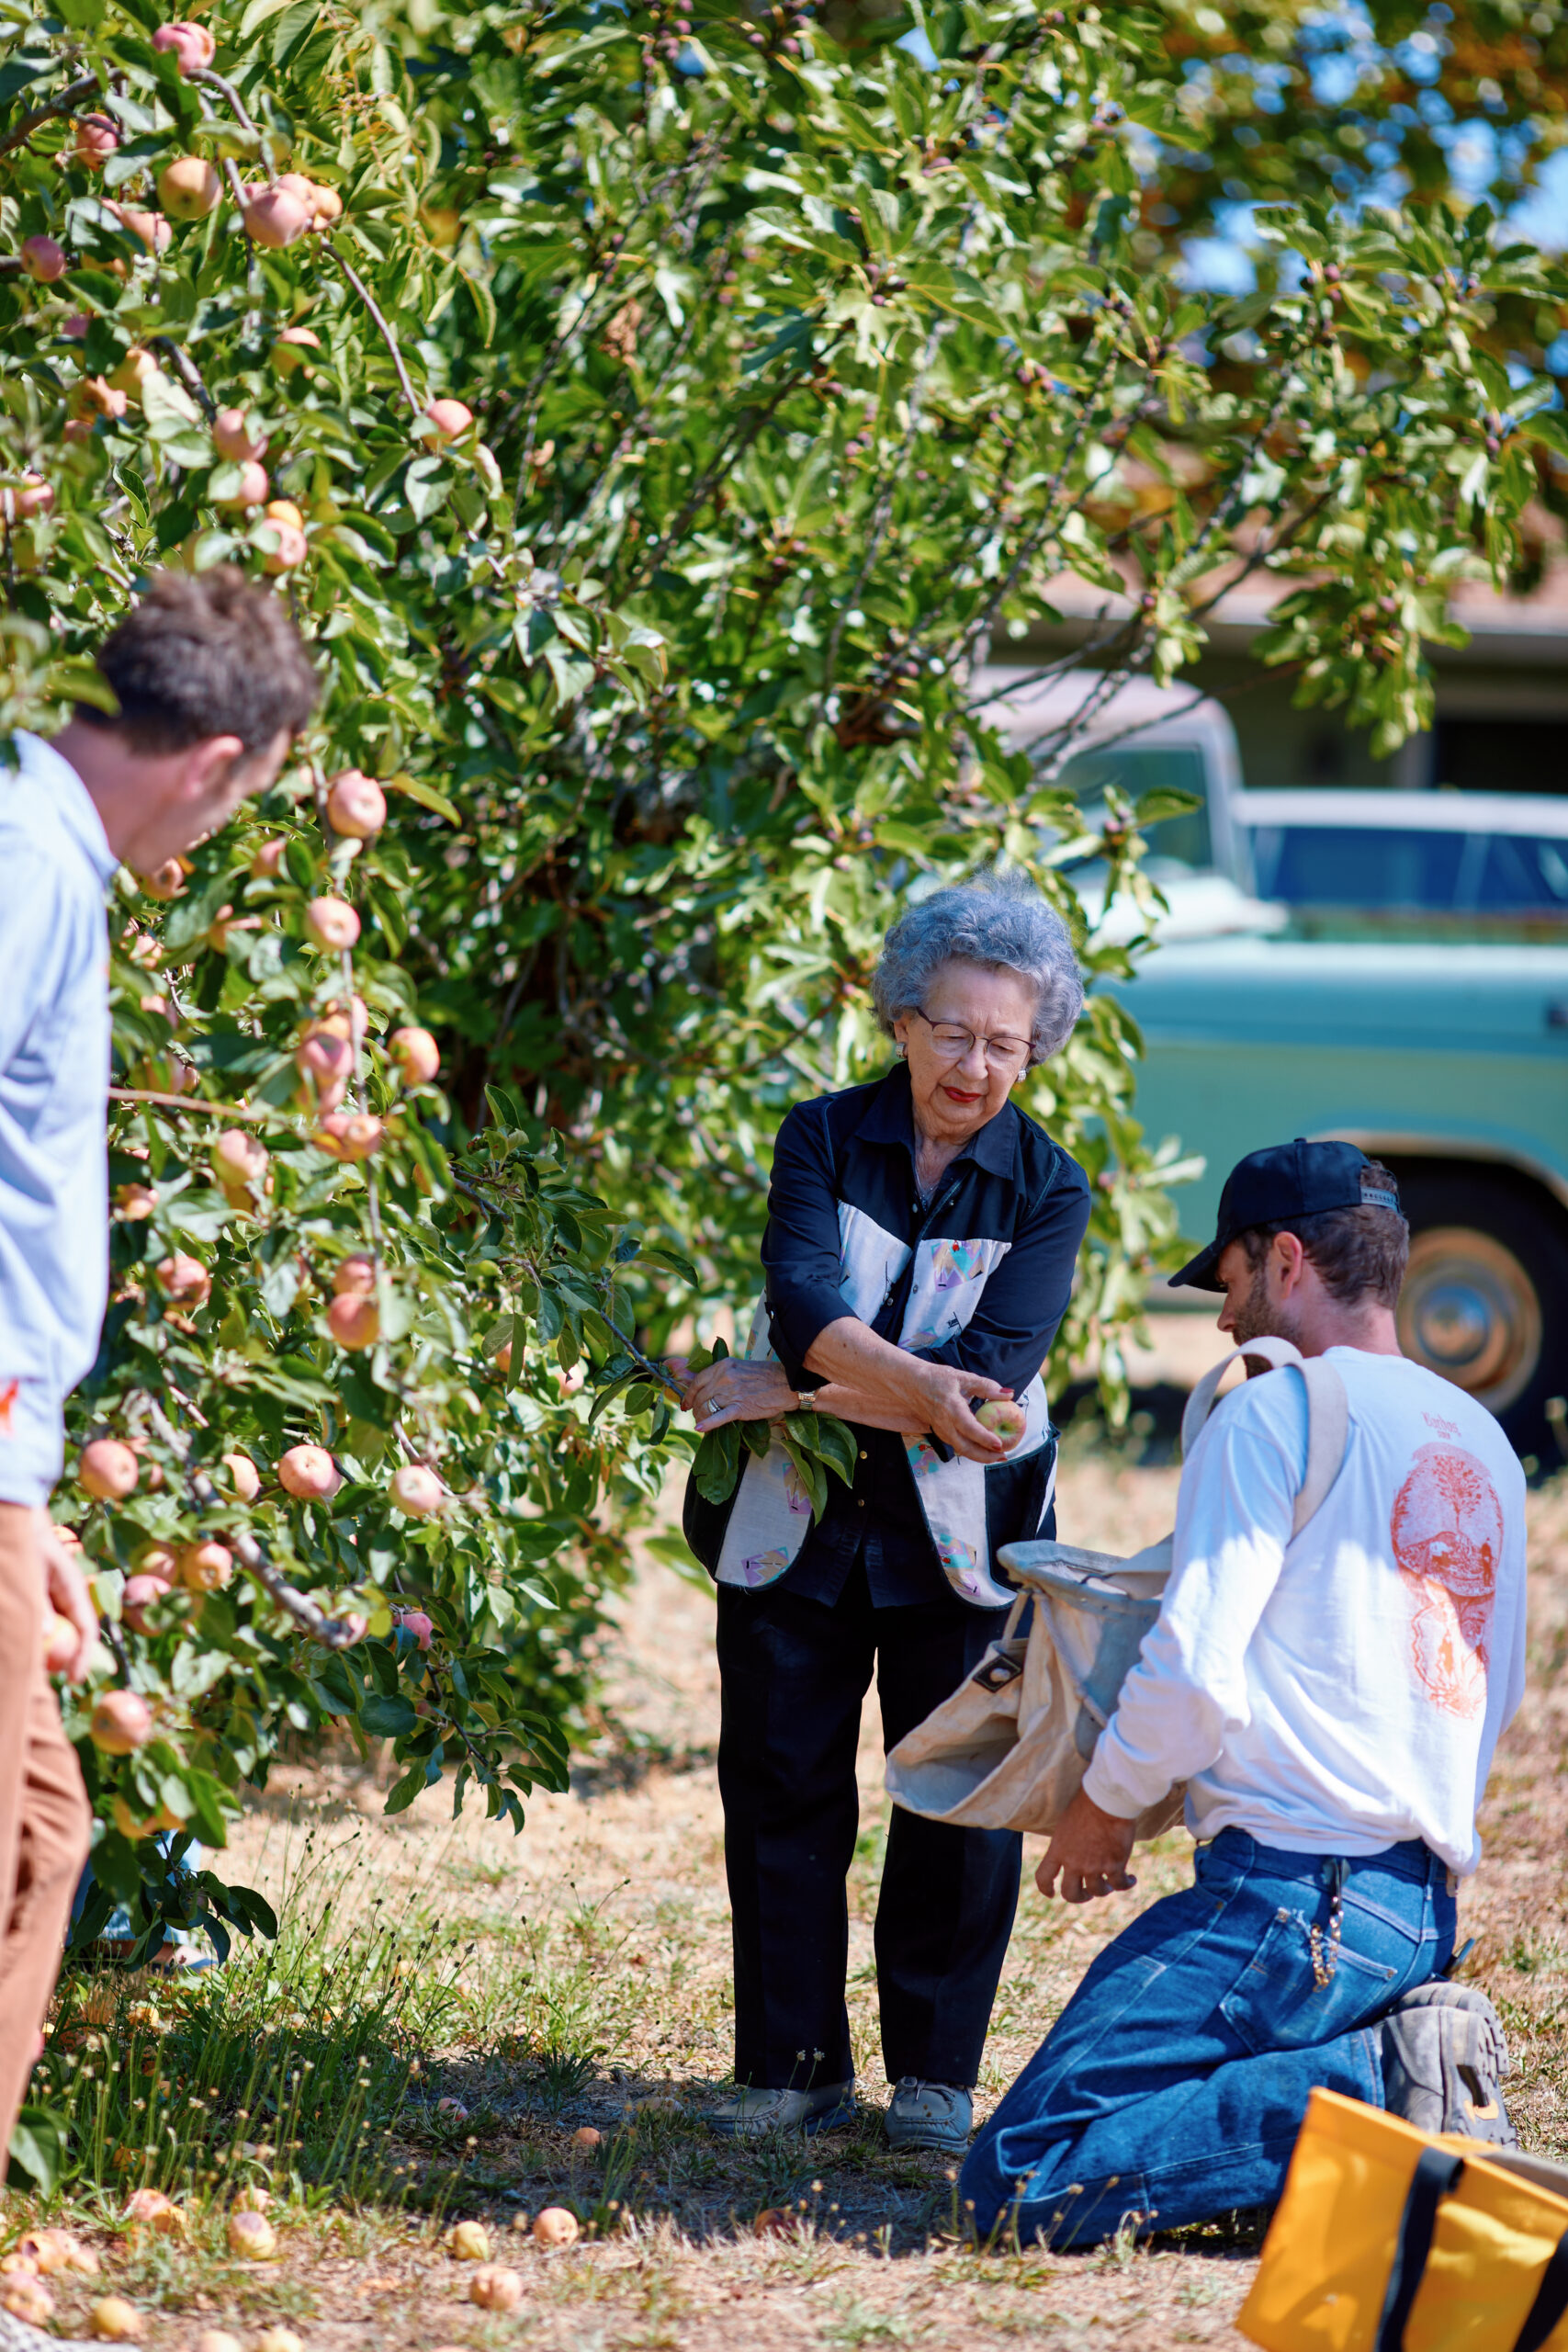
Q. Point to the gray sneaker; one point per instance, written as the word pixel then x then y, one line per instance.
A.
pixel 1443 2058
pixel 758 2115
pixel 930 2115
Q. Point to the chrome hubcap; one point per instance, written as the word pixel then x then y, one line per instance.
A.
pixel 1470 1311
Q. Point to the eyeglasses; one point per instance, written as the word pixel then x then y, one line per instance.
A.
pixel 956 1044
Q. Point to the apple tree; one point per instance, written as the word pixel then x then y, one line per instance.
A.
pixel 654 419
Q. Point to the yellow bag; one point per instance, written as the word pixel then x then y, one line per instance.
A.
pixel 1387 2240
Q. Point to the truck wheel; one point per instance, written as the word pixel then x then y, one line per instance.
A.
pixel 1486 1298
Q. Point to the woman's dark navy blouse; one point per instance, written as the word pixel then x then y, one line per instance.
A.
pixel 1009 1182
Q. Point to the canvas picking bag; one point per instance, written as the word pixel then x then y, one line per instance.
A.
pixel 1009 1750
pixel 1389 2239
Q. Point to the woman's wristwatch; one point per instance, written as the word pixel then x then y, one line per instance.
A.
pixel 806 1401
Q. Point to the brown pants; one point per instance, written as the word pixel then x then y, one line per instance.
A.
pixel 45 1821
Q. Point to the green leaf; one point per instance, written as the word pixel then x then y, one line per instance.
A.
pixel 39 2144
pixel 385 1718
pixel 414 787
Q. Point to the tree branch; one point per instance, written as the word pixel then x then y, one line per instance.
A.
pixel 185 1103
pixel 388 338
pixel 88 84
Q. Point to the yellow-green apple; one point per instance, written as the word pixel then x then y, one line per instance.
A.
pixel 467 2242
pixel 121 1723
pixel 108 1470
pixel 309 1473
pixel 243 1476
pixel 1004 1419
pixel 95 395
pixel 189 188
pixel 417 1054
pixel 114 2321
pixel 206 1566
pixel 252 2237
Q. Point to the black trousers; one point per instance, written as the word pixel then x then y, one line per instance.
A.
pixel 793 1675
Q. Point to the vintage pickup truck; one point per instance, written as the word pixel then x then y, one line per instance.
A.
pixel 1387 966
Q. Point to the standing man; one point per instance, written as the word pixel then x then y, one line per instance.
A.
pixel 211 682
pixel 1332 1702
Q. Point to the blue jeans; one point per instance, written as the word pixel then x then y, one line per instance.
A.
pixel 1173 2085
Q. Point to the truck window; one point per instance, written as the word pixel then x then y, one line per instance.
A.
pixel 1357 865
pixel 1525 873
pixel 1134 769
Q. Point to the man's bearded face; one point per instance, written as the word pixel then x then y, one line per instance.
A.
pixel 1254 1316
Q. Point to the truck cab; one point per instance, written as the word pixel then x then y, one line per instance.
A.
pixel 1390 968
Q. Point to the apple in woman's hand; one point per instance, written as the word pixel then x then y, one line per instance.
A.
pixel 1004 1419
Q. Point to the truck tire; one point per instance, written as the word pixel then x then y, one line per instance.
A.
pixel 1486 1298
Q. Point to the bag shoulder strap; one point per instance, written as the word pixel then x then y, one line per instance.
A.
pixel 1328 1416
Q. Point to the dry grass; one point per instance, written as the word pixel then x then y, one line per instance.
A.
pixel 588 1963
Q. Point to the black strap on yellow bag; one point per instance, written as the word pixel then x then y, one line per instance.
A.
pixel 1436 2175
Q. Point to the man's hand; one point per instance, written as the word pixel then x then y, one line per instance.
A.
pixel 65 1589
pixel 733 1388
pixel 1091 1851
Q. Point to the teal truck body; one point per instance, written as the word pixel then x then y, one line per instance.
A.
pixel 1394 1004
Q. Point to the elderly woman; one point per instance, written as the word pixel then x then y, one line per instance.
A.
pixel 919 1249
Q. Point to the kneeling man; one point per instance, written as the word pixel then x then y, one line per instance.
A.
pixel 1333 1703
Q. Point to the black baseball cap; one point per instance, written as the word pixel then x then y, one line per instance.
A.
pixel 1283 1180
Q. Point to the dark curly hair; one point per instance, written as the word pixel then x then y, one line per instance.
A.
pixel 201 654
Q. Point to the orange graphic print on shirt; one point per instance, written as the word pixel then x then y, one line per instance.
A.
pixel 1446 1531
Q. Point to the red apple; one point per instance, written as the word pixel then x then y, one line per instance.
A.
pixel 95 396
pixel 349 1134
pixel 43 259
pixel 449 418
pixel 495 2288
pixel 240 1159
pixel 554 2226
pixel 59 1643
pixel 149 229
pixel 251 490
pixel 331 923
pixel 108 1469
pixel 121 1723
pixel 417 1490
pixel 76 328
pixel 327 207
pixel 149 2209
pixel 356 1277
pixel 325 1061
pixel 415 1622
pixel 274 216
pixel 235 438
pixel 183 1278
pixel 193 45
pixel 291 348
pixel 32 496
pixel 355 1321
pixel 357 806
pixel 141 1593
pixel 267 862
pixel 189 188
pixel 166 882
pixel 291 552
pixel 417 1054
pixel 96 139
pixel 309 1473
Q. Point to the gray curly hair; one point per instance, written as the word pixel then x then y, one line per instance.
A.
pixel 1000 922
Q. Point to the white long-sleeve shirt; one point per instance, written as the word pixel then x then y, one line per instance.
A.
pixel 54 1064
pixel 1344 1691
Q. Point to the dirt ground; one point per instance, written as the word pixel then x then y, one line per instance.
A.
pixel 591 1962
